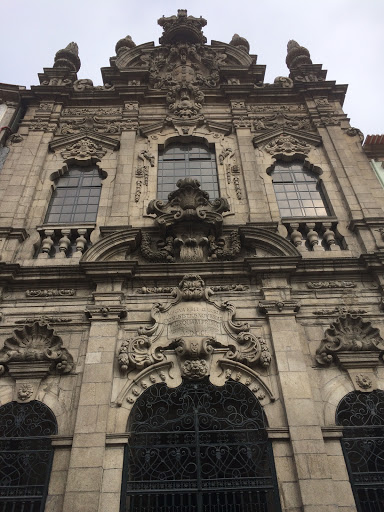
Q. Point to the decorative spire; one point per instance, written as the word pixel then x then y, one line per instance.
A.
pixel 297 55
pixel 124 43
pixel 182 28
pixel 240 42
pixel 68 58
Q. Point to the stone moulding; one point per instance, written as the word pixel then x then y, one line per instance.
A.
pixel 318 285
pixel 85 149
pixel 51 292
pixel 163 372
pixel 352 336
pixel 33 344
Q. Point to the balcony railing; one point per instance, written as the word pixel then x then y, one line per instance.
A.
pixel 316 235
pixel 63 242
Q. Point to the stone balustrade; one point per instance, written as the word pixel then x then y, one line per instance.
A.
pixel 314 235
pixel 63 242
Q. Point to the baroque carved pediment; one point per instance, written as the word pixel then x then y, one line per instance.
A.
pixel 84 149
pixel 34 350
pixel 286 143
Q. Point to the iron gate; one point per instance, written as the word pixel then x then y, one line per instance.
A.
pixel 362 415
pixel 199 448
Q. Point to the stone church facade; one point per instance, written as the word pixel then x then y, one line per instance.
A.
pixel 191 280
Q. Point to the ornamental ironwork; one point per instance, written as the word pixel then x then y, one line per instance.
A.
pixel 362 416
pixel 25 455
pixel 199 448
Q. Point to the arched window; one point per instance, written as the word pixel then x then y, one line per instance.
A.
pixel 198 448
pixel 25 455
pixel 178 161
pixel 362 416
pixel 298 191
pixel 76 197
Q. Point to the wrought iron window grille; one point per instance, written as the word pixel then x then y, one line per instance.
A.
pixel 362 416
pixel 199 448
pixel 25 455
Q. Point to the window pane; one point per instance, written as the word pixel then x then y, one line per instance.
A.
pixel 302 191
pixel 179 161
pixel 75 192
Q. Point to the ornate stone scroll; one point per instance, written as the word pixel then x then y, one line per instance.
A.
pixel 193 332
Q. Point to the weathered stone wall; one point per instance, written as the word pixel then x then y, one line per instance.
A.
pixel 266 292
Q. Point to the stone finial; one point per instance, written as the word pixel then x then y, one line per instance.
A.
pixel 124 43
pixel 68 58
pixel 182 28
pixel 240 42
pixel 297 55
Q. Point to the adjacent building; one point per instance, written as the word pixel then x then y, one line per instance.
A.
pixel 191 277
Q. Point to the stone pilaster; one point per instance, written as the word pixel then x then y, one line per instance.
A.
pixel 309 453
pixel 85 475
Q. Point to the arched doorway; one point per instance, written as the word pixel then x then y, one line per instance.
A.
pixel 362 416
pixel 25 455
pixel 199 448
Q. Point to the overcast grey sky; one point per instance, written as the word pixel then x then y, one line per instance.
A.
pixel 346 36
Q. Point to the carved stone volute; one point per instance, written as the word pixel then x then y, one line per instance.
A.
pixel 124 44
pixel 182 28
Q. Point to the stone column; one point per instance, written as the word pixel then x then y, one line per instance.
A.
pixel 309 453
pixel 85 474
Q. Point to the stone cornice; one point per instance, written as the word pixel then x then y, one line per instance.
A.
pixel 19 234
pixel 274 264
pixel 301 268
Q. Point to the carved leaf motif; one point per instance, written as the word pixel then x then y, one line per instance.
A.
pixel 36 342
pixel 84 150
pixel 287 145
pixel 351 334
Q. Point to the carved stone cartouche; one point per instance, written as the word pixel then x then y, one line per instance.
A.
pixel 195 325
